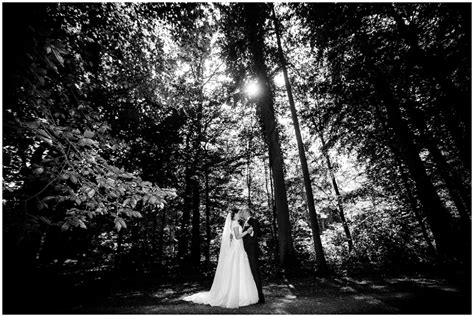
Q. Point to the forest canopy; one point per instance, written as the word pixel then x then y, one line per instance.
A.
pixel 131 129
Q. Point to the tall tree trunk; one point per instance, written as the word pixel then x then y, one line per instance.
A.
pixel 249 173
pixel 196 236
pixel 183 235
pixel 336 190
pixel 173 236
pixel 153 236
pixel 118 254
pixel 271 208
pixel 433 208
pixel 208 215
pixel 414 208
pixel 405 179
pixel 134 239
pixel 461 203
pixel 453 183
pixel 144 255
pixel 192 187
pixel 318 246
pixel 161 236
pixel 195 258
pixel 254 23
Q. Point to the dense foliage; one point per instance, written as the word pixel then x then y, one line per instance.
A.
pixel 131 129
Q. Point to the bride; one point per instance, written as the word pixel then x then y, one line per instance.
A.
pixel 233 284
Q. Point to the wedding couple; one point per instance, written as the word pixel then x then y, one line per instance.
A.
pixel 236 281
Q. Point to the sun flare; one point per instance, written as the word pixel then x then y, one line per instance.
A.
pixel 252 88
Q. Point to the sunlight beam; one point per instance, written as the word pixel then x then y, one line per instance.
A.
pixel 252 88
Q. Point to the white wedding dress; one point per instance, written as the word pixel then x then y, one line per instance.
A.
pixel 233 284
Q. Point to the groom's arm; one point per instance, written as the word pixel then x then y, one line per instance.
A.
pixel 256 227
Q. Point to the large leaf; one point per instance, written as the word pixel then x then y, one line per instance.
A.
pixel 88 134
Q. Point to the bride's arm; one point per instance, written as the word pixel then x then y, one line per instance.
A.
pixel 239 235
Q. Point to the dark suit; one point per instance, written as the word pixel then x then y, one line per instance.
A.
pixel 251 247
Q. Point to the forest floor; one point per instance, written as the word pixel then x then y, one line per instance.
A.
pixel 299 295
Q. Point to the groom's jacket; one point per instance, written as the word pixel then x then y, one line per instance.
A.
pixel 249 239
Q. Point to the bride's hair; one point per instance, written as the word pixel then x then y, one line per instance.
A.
pixel 233 211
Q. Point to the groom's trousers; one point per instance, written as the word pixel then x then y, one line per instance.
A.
pixel 252 254
pixel 251 247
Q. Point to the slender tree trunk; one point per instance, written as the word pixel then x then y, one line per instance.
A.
pixel 254 31
pixel 183 235
pixel 40 247
pixel 153 237
pixel 336 190
pixel 118 255
pixel 134 238
pixel 208 220
pixel 196 237
pixel 196 188
pixel 183 231
pixel 173 236
pixel 144 245
pixel 318 247
pixel 192 187
pixel 161 236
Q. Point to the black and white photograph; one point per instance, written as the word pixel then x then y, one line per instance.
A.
pixel 247 158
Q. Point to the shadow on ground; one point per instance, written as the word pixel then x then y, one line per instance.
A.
pixel 334 295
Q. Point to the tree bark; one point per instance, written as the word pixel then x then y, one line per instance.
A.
pixel 195 257
pixel 196 236
pixel 161 237
pixel 144 256
pixel 208 215
pixel 118 255
pixel 254 31
pixel 173 236
pixel 336 190
pixel 183 235
pixel 414 208
pixel 453 183
pixel 135 247
pixel 192 186
pixel 249 173
pixel 433 208
pixel 438 217
pixel 318 247
pixel 153 236
pixel 271 208
pixel 405 180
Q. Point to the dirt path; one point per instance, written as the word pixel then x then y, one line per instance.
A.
pixel 302 296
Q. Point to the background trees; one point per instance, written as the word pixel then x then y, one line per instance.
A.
pixel 371 39
pixel 129 129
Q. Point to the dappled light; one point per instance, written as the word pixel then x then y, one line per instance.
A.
pixel 279 80
pixel 315 157
pixel 308 295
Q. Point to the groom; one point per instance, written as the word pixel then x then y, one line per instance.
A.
pixel 251 247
